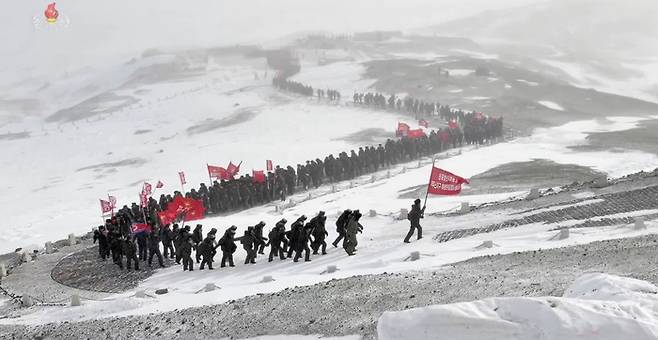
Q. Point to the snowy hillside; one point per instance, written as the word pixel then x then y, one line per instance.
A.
pixel 595 306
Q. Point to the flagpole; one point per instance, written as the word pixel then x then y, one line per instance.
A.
pixel 209 176
pixel 430 181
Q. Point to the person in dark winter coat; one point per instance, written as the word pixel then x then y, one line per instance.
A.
pixel 276 237
pixel 228 246
pixel 154 247
pixel 207 250
pixel 167 237
pixel 186 249
pixel 341 225
pixel 248 241
pixel 303 238
pixel 296 229
pixel 130 250
pixel 414 217
pixel 197 237
pixel 101 235
pixel 353 227
pixel 319 233
pixel 116 246
pixel 261 241
pixel 142 245
pixel 178 238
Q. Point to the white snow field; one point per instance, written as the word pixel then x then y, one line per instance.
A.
pixel 595 306
pixel 380 246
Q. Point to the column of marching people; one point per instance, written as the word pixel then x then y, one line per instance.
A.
pixel 303 239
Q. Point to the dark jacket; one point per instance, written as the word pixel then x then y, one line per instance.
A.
pixel 415 215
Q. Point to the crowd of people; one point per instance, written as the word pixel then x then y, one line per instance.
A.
pixel 117 239
pixel 305 90
pixel 303 239
pixel 292 86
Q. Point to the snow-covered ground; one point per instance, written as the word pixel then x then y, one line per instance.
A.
pixel 551 105
pixel 381 249
pixel 595 306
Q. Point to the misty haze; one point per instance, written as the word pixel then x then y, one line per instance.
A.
pixel 344 170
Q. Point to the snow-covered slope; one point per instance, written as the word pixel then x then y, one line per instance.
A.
pixel 595 306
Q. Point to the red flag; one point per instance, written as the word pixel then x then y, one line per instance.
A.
pixel 147 189
pixel 113 201
pixel 424 123
pixel 106 206
pixel 445 183
pixel 453 124
pixel 258 176
pixel 233 169
pixel 187 209
pixel 143 200
pixel 182 177
pixel 159 185
pixel 418 133
pixel 167 217
pixel 218 172
pixel 269 165
pixel 402 129
pixel 137 228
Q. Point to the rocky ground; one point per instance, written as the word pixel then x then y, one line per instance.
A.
pixel 353 305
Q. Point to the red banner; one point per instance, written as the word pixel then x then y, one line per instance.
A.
pixel 147 189
pixel 137 228
pixel 418 133
pixel 233 169
pixel 113 201
pixel 424 123
pixel 269 165
pixel 187 209
pixel 402 130
pixel 106 206
pixel 182 177
pixel 218 172
pixel 453 124
pixel 445 183
pixel 143 200
pixel 259 176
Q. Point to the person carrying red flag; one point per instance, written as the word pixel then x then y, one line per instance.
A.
pixel 414 217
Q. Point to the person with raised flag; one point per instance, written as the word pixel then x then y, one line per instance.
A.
pixel 414 217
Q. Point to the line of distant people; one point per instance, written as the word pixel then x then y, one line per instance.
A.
pixel 303 239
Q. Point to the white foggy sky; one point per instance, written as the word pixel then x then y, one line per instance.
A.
pixel 110 30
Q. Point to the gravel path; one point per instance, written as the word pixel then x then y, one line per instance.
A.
pixel 352 305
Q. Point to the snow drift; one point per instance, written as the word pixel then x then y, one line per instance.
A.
pixel 595 306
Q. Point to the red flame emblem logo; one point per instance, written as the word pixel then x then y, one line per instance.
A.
pixel 51 13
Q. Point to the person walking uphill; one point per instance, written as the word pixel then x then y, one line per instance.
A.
pixel 228 246
pixel 248 241
pixel 276 237
pixel 414 217
pixel 353 227
pixel 341 225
